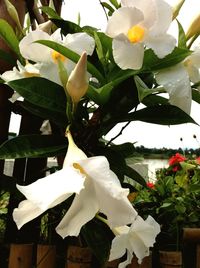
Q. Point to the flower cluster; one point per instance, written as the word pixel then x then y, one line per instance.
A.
pixel 83 82
pixel 173 199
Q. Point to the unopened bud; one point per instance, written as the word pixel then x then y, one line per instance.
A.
pixel 78 82
pixel 194 28
pixel 13 13
pixel 177 8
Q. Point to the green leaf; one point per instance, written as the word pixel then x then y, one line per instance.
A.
pixel 182 42
pixel 72 56
pixel 109 7
pixel 41 92
pixel 115 3
pixel 7 57
pixel 134 175
pixel 143 90
pixel 196 95
pixel 93 232
pixel 153 63
pixel 57 118
pixel 158 114
pixel 33 146
pixel 50 12
pixel 67 26
pixel 8 35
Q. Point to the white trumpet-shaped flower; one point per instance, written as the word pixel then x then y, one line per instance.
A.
pixel 139 24
pixel 78 42
pixel 135 240
pixel 97 189
pixel 177 80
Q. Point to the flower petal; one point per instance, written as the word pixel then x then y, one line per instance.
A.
pixel 80 42
pixel 33 51
pixel 26 211
pixel 163 17
pixel 50 72
pixel 84 207
pixel 176 82
pixel 162 45
pixel 122 20
pixel 142 236
pixel 49 191
pixel 146 7
pixel 118 247
pixel 109 191
pixel 127 55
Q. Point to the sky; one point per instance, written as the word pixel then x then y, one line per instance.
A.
pixel 148 135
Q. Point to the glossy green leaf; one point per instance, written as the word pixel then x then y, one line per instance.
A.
pixel 8 35
pixel 57 118
pixel 93 232
pixel 33 146
pixel 72 56
pixel 158 114
pixel 182 42
pixel 42 92
pixel 196 95
pixel 67 27
pixel 153 63
pixel 135 176
pixel 5 56
pixel 50 12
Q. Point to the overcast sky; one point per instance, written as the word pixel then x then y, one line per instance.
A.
pixel 149 135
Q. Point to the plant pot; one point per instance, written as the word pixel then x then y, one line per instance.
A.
pixel 20 256
pixel 46 256
pixel 78 257
pixel 170 259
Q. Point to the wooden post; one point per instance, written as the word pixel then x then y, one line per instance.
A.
pixel 78 257
pixel 20 256
pixel 46 256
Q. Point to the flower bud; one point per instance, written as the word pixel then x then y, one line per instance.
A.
pixel 13 13
pixel 177 8
pixel 77 83
pixel 194 28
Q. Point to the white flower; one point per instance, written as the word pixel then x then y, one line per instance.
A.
pixel 19 72
pixel 78 42
pixel 97 189
pixel 176 82
pixel 192 64
pixel 136 240
pixel 139 24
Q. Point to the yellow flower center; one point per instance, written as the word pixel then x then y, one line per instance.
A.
pixel 28 75
pixel 136 34
pixel 77 166
pixel 57 56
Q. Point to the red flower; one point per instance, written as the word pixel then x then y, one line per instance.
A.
pixel 175 159
pixel 150 184
pixel 198 160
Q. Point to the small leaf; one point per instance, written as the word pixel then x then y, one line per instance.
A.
pixel 135 176
pixel 50 12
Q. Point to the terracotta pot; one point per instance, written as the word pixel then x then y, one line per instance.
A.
pixel 170 259
pixel 78 257
pixel 46 256
pixel 20 256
